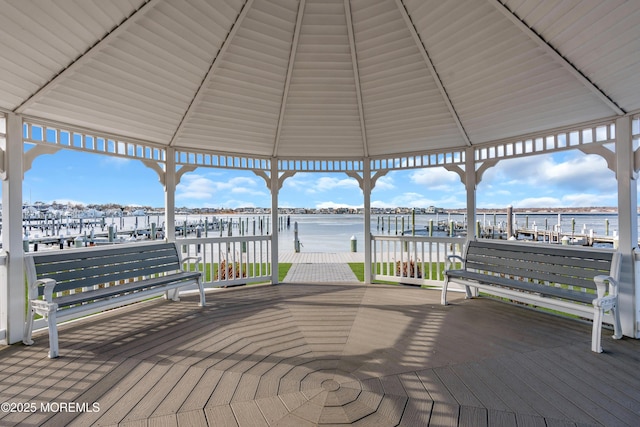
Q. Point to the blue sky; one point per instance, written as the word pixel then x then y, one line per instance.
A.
pixel 566 179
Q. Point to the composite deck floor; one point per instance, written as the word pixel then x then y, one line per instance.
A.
pixel 307 354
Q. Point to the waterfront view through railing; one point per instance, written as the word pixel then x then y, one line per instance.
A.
pixel 238 250
pixel 319 232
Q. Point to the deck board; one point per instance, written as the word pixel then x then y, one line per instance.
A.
pixel 343 353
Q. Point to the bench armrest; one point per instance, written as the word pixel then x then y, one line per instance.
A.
pixel 49 284
pixel 451 259
pixel 602 283
pixel 197 260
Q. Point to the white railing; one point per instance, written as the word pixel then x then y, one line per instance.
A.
pixel 414 260
pixel 228 261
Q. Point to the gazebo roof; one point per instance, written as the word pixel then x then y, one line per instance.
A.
pixel 320 78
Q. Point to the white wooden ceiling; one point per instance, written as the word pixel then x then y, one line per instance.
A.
pixel 320 78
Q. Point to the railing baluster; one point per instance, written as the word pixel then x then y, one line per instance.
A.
pixel 411 259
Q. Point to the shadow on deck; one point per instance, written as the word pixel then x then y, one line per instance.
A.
pixel 315 354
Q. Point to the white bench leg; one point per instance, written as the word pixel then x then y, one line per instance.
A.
pixel 469 294
pixel 53 332
pixel 443 298
pixel 202 299
pixel 600 306
pixel 28 327
pixel 596 334
pixel 617 328
pixel 172 294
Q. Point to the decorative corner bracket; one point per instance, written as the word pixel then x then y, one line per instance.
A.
pixel 374 178
pixel 267 179
pixel 158 169
pixel 30 156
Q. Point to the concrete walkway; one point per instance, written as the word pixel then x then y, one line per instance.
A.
pixel 320 273
pixel 320 257
pixel 320 267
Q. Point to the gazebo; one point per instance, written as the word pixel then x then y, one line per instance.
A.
pixel 277 87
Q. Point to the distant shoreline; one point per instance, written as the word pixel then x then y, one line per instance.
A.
pixel 113 209
pixel 585 210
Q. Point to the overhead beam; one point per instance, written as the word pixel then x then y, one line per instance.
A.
pixel 356 75
pixel 287 80
pixel 553 53
pixel 432 70
pixel 87 55
pixel 212 69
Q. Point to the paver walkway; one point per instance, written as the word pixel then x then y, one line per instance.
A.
pixel 320 257
pixel 320 273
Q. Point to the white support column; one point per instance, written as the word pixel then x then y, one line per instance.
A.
pixel 275 188
pixel 170 196
pixel 366 190
pixel 12 285
pixel 470 185
pixel 628 225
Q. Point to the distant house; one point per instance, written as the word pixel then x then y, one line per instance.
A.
pixel 433 210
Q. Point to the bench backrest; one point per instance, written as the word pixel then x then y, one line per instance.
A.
pixel 575 266
pixel 74 269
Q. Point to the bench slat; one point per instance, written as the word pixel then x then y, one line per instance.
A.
pixel 580 263
pixel 542 249
pixel 76 269
pixel 45 265
pixel 543 268
pixel 557 275
pixel 569 266
pixel 101 252
pixel 92 295
pixel 545 262
pixel 94 276
pixel 573 295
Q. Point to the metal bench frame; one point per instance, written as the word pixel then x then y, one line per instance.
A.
pixel 70 283
pixel 576 280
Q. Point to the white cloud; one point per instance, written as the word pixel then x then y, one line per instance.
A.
pixel 436 179
pixel 116 162
pixel 326 183
pixel 198 187
pixel 385 183
pixel 573 172
pixel 569 179
pixel 195 187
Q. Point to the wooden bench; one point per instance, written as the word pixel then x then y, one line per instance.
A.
pixel 70 283
pixel 576 280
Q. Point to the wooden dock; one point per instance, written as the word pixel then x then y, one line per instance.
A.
pixel 310 354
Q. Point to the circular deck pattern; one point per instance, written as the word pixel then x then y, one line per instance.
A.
pixel 314 355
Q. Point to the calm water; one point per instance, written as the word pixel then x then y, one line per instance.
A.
pixel 332 233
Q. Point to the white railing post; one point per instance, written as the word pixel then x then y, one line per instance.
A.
pixel 275 189
pixel 628 224
pixel 170 196
pixel 366 190
pixel 12 284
